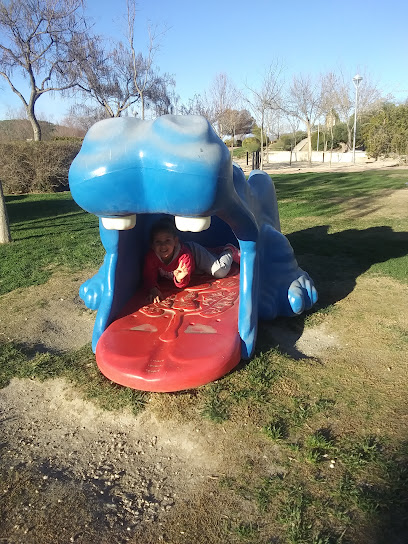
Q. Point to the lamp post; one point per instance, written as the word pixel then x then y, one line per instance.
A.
pixel 356 80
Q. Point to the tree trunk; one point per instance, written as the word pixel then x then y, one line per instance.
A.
pixel 262 125
pixel 143 105
pixel 309 135
pixel 34 122
pixel 331 147
pixel 5 236
pixel 349 137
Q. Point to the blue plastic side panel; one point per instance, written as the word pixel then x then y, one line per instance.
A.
pixel 119 276
pixel 248 297
pixel 285 288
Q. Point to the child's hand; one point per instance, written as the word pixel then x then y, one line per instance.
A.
pixel 181 272
pixel 154 295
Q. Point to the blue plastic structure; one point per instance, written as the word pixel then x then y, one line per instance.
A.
pixel 177 165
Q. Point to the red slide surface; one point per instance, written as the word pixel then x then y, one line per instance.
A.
pixel 188 339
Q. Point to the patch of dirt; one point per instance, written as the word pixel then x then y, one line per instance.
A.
pixel 312 342
pixel 132 470
pixel 391 204
pixel 296 167
pixel 110 477
pixel 49 316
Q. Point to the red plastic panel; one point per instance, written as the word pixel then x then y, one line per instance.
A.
pixel 188 339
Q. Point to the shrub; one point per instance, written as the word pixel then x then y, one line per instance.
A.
pixel 239 153
pixel 36 167
pixel 251 144
pixel 288 141
pixel 339 135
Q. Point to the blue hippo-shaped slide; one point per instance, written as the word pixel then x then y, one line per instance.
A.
pixel 130 172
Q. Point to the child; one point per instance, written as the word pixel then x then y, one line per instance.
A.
pixel 176 261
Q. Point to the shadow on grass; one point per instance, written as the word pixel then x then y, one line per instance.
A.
pixel 335 261
pixel 26 208
pixel 392 517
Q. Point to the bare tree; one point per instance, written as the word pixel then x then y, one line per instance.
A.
pixel 216 104
pixel 106 77
pixel 304 101
pixel 82 116
pixel 37 38
pixel 344 93
pixel 223 97
pixel 294 123
pixel 236 122
pixel 330 106
pixel 150 86
pixel 119 78
pixel 198 105
pixel 266 98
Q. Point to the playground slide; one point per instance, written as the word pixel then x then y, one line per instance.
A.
pixel 129 173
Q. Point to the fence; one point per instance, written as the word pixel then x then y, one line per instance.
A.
pixel 289 157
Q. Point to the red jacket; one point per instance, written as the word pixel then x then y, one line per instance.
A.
pixel 154 267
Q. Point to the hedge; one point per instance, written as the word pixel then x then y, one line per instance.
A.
pixel 36 167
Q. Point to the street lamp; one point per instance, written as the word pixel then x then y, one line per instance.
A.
pixel 356 80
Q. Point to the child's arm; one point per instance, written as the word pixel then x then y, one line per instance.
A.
pixel 150 274
pixel 155 295
pixel 182 274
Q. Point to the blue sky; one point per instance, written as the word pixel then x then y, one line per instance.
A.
pixel 241 38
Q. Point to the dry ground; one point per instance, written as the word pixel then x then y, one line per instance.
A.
pixel 76 473
pixel 284 168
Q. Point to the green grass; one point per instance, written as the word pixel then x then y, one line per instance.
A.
pixel 49 232
pixel 240 153
pixel 316 501
pixel 364 244
pixel 319 190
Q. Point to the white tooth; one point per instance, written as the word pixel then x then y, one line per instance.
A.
pixel 192 224
pixel 119 223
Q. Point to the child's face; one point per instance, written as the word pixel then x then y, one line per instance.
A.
pixel 164 244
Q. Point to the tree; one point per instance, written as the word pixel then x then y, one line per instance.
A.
pixel 236 122
pixel 385 130
pixel 198 105
pixel 304 101
pixel 37 40
pixel 344 98
pixel 329 103
pixel 82 116
pixel 257 132
pixel 219 105
pixel 251 144
pixel 5 235
pixel 146 80
pixel 266 98
pixel 118 78
pixel 224 98
pixel 101 79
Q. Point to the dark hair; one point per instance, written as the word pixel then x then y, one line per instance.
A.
pixel 164 224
